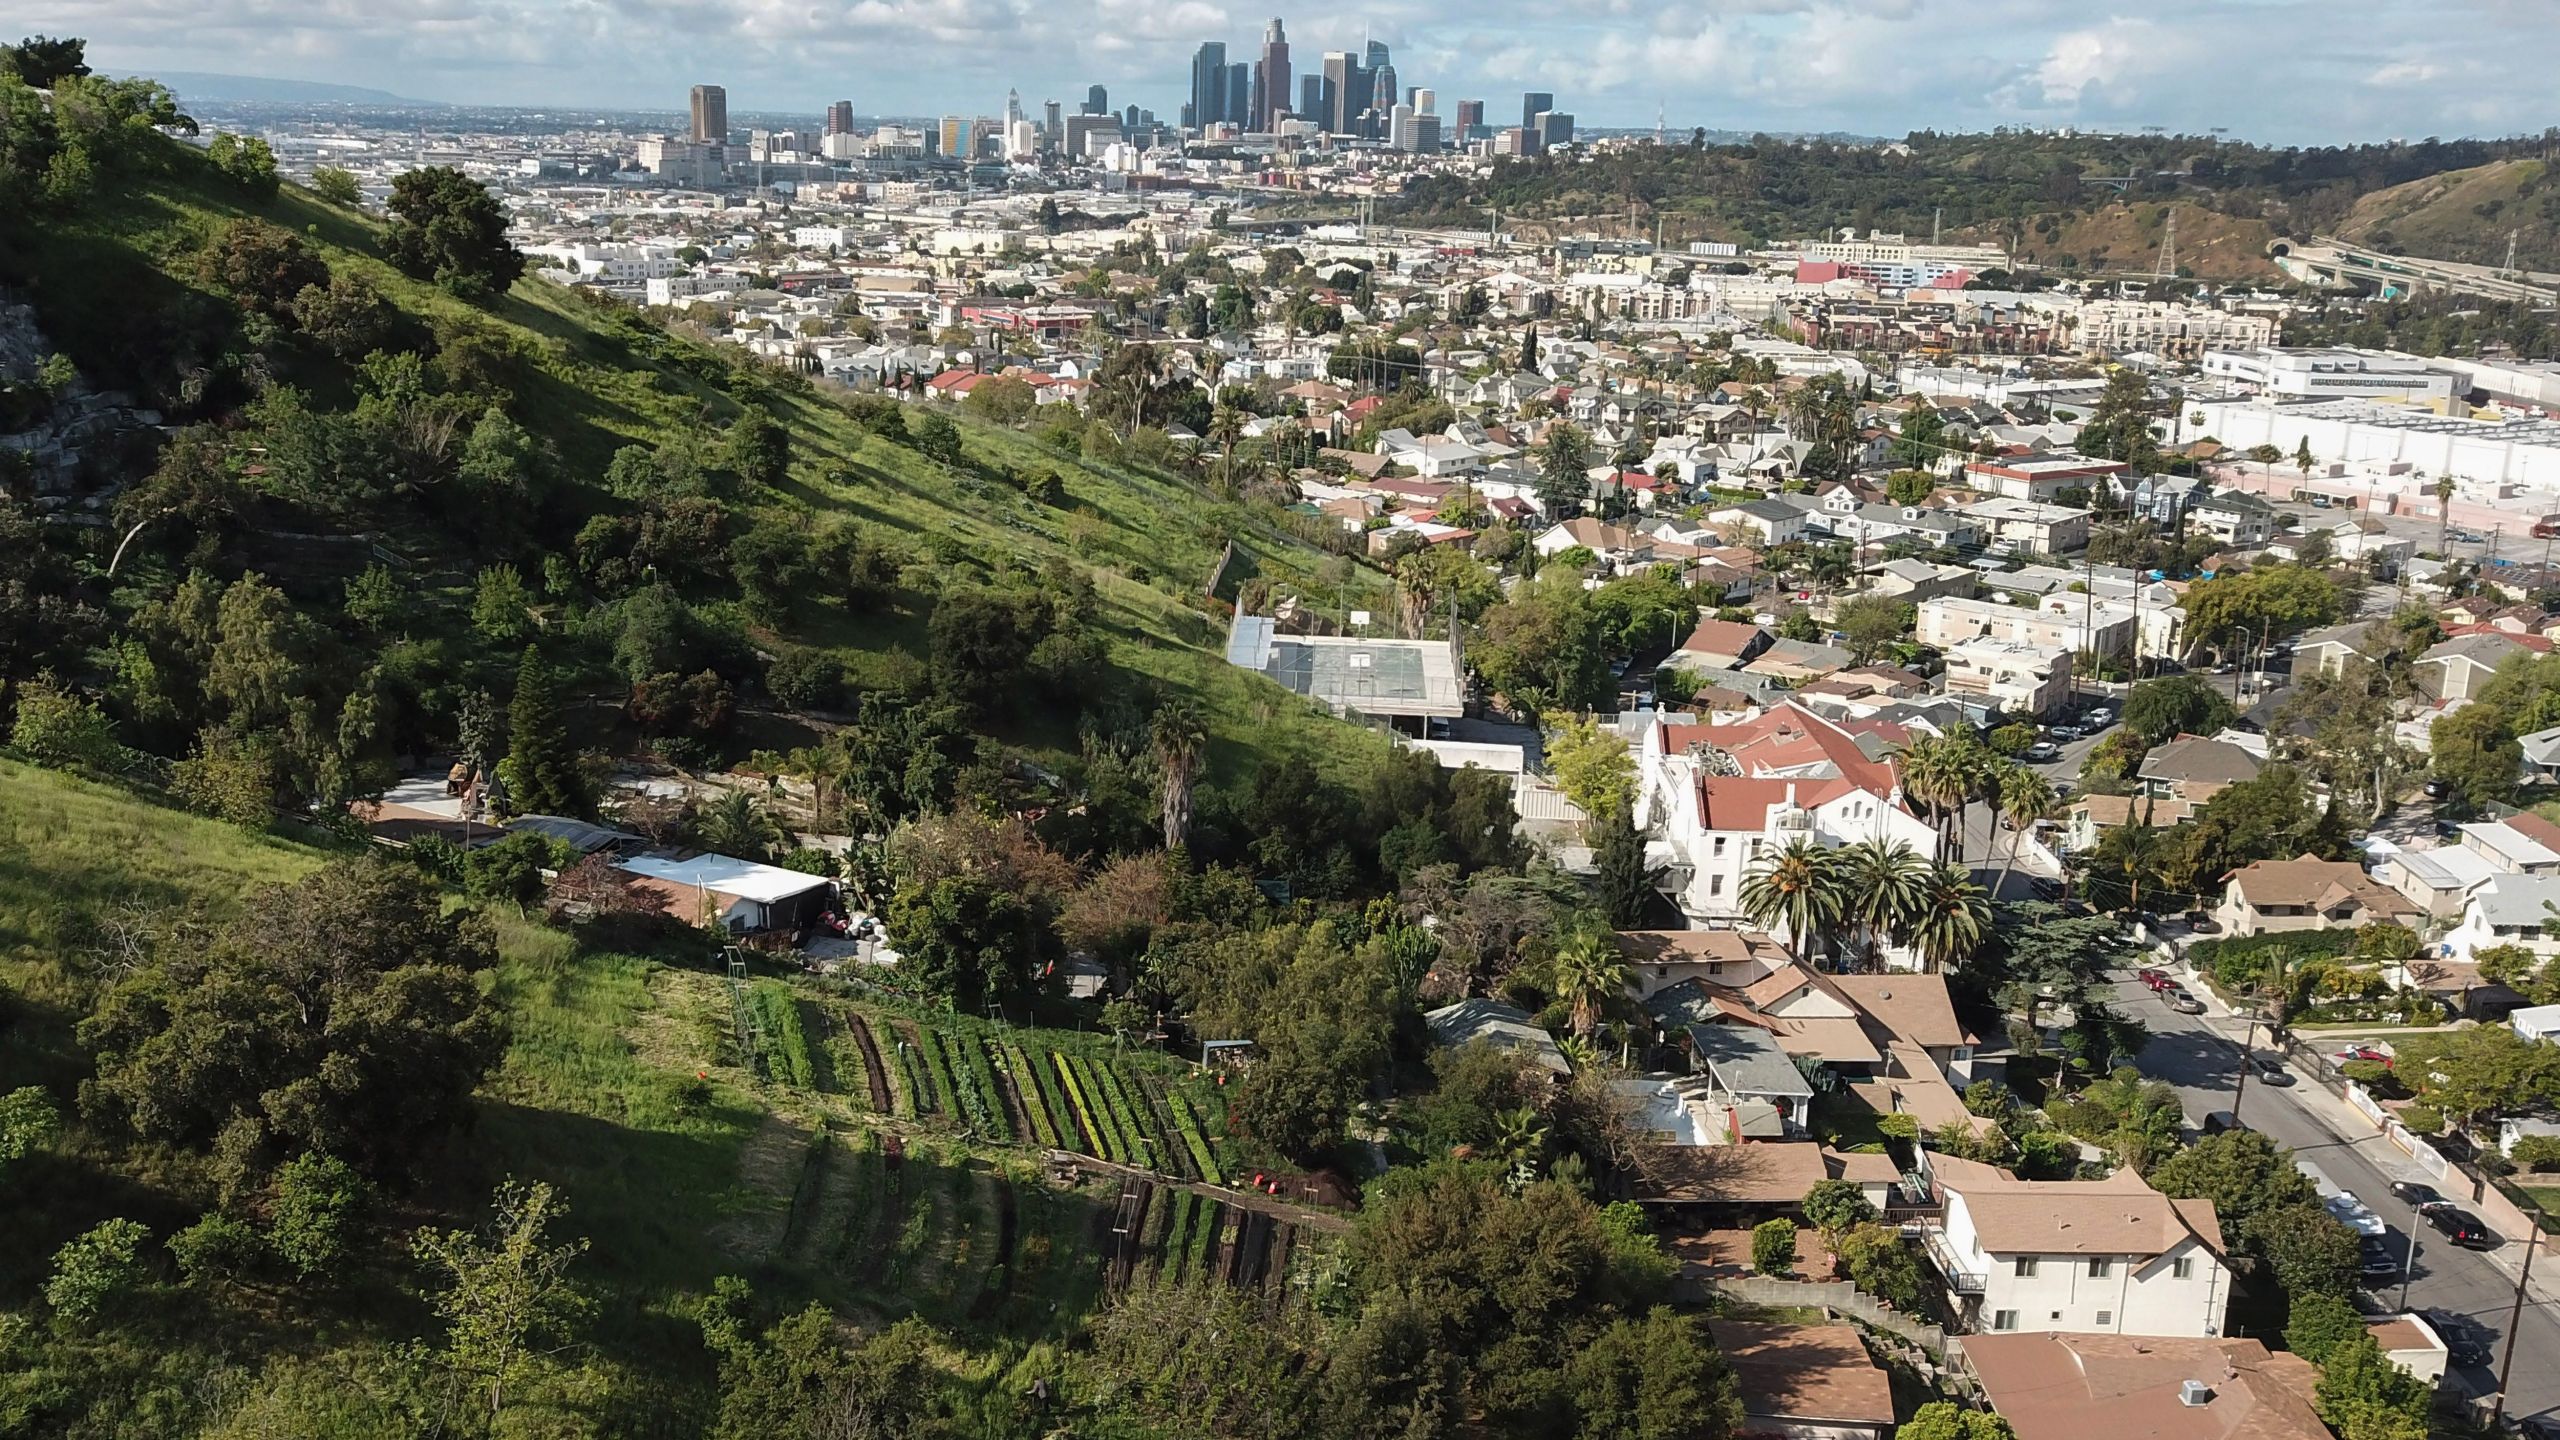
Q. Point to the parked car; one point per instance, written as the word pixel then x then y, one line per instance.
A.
pixel 2466 1341
pixel 2153 978
pixel 2043 752
pixel 2100 718
pixel 2182 1002
pixel 2374 1260
pixel 2459 1226
pixel 2270 1070
pixel 2065 732
pixel 2437 789
pixel 2418 1194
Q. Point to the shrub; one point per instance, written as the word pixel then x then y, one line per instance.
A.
pixel 317 1200
pixel 217 1247
pixel 2422 1119
pixel 2536 1152
pixel 1837 1206
pixel 1773 1247
pixel 92 1271
pixel 60 727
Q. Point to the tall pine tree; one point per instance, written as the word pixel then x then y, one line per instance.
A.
pixel 542 765
pixel 1624 881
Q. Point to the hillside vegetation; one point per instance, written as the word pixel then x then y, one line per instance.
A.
pixel 2466 215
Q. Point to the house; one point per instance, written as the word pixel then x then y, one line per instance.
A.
pixel 1918 1010
pixel 2327 651
pixel 1720 645
pixel 2439 881
pixel 2541 756
pixel 2154 1387
pixel 2455 668
pixel 742 896
pixel 2095 1257
pixel 1752 1078
pixel 2092 816
pixel 2163 499
pixel 1806 1382
pixel 2041 478
pixel 2046 529
pixel 2307 893
pixel 2194 768
pixel 1619 547
pixel 1505 1027
pixel 2508 910
pixel 1773 521
pixel 2238 519
pixel 2011 677
pixel 1918 580
pixel 2060 621
pixel 1760 1176
pixel 1798 661
pixel 1734 959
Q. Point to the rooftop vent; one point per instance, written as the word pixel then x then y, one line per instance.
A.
pixel 2194 1392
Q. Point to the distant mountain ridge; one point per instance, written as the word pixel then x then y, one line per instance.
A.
pixel 261 89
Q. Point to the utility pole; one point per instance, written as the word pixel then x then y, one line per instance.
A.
pixel 2515 1315
pixel 2408 1265
pixel 2248 1038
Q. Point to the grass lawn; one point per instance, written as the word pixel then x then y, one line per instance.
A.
pixel 1844 1124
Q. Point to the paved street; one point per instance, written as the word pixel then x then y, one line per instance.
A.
pixel 2199 1055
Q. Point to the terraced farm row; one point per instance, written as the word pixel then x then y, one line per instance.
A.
pixel 1002 1087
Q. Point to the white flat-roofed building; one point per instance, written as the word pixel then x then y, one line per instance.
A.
pixel 2018 679
pixel 2329 373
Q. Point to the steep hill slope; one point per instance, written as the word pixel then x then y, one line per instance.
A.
pixel 120 285
pixel 2466 215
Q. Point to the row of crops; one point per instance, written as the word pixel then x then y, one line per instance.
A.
pixel 1007 1087
pixel 1174 1234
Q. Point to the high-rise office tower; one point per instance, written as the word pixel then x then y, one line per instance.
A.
pixel 1470 118
pixel 1426 102
pixel 1377 57
pixel 1275 76
pixel 710 115
pixel 1257 103
pixel 1239 97
pixel 840 118
pixel 1129 121
pixel 1209 83
pixel 1097 101
pixel 1555 127
pixel 1053 120
pixel 1012 107
pixel 1312 104
pixel 1342 78
pixel 959 137
pixel 1532 104
pixel 1383 94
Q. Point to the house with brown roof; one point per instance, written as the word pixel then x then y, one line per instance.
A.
pixel 2195 768
pixel 2099 1257
pixel 2308 893
pixel 1721 645
pixel 2149 1387
pixel 1806 1382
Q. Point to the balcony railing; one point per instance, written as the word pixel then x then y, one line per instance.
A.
pixel 1933 1238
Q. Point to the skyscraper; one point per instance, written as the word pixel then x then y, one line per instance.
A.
pixel 1012 107
pixel 1312 104
pixel 1275 76
pixel 1257 103
pixel 710 115
pixel 1097 101
pixel 1383 94
pixel 1426 102
pixel 1377 58
pixel 1470 118
pixel 1209 83
pixel 1341 75
pixel 1239 97
pixel 1532 104
pixel 1053 121
pixel 840 118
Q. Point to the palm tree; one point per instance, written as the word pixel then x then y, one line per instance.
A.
pixel 1520 1138
pixel 1938 775
pixel 1953 917
pixel 1883 885
pixel 1798 889
pixel 1226 426
pixel 2024 798
pixel 2140 852
pixel 1180 740
pixel 2444 514
pixel 1591 974
pixel 736 825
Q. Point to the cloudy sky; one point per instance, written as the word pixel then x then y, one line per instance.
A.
pixel 2287 71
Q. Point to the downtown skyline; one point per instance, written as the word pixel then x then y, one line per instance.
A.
pixel 1779 65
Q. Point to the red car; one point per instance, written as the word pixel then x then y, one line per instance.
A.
pixel 2156 979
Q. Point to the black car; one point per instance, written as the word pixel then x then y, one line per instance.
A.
pixel 2418 1193
pixel 2375 1261
pixel 2466 1341
pixel 2460 1226
pixel 2270 1071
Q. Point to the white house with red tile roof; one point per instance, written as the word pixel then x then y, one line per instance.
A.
pixel 1723 797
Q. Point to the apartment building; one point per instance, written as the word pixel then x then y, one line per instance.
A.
pixel 2174 332
pixel 2013 678
pixel 2102 1257
pixel 2046 529
pixel 2061 621
pixel 2041 478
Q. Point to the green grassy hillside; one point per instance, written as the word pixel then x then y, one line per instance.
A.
pixel 2466 215
pixel 116 283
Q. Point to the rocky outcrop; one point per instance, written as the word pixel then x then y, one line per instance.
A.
pixel 56 426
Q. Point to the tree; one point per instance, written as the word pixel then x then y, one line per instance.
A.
pixel 1798 888
pixel 1882 1264
pixel 42 64
pixel 1591 977
pixel 1625 883
pixel 800 1377
pixel 1564 464
pixel 261 266
pixel 2309 1250
pixel 1656 1378
pixel 2319 1324
pixel 541 769
pixel 2476 752
pixel 501 606
pixel 1946 1420
pixel 2022 797
pixel 1773 1247
pixel 1910 487
pixel 506 1289
pixel 2119 425
pixel 61 727
pixel 937 438
pixel 1180 741
pixel 347 1012
pixel 965 940
pixel 447 227
pixel 1838 1206
pixel 93 1271
pixel 2241 1171
pixel 1953 918
pixel 2479 1071
pixel 316 1201
pixel 28 1120
pixel 2161 710
pixel 1591 766
pixel 1872 625
pixel 246 161
pixel 336 185
pixel 2364 1396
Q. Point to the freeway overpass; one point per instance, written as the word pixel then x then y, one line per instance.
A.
pixel 2328 260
